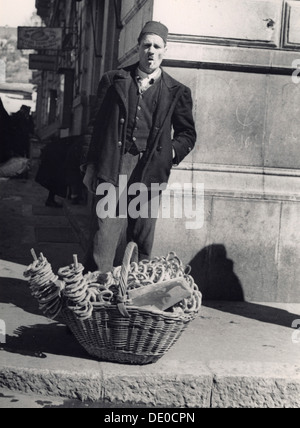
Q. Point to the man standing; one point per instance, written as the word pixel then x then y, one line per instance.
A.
pixel 140 105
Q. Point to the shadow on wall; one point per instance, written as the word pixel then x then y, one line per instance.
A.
pixel 221 289
pixel 214 274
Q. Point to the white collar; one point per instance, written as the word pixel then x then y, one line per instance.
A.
pixel 155 75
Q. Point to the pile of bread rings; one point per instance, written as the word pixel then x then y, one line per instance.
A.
pixel 44 286
pixel 162 269
pixel 82 293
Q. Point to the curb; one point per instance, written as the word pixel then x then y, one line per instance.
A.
pixel 218 384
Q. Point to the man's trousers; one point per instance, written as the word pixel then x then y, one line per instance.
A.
pixel 110 235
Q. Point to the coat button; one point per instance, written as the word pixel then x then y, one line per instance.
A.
pixel 122 121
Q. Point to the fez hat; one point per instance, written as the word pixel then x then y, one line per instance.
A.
pixel 155 27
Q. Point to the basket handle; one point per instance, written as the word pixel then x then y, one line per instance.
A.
pixel 130 255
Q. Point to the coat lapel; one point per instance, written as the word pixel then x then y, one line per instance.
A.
pixel 168 92
pixel 122 82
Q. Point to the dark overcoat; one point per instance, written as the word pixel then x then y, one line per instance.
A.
pixel 174 110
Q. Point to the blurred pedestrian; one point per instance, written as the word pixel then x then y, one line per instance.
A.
pixel 51 172
pixel 5 134
pixel 23 125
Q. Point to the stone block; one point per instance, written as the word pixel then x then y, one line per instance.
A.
pixel 172 233
pixel 289 254
pixel 242 249
pixel 292 34
pixel 280 186
pixel 81 385
pixel 169 384
pixel 255 385
pixel 254 21
pixel 282 123
pixel 216 54
pixel 231 135
pixel 230 181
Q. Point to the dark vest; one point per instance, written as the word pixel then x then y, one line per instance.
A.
pixel 140 115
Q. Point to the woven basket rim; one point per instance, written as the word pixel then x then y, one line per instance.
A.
pixel 151 312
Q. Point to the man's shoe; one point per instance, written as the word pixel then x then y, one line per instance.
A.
pixel 53 204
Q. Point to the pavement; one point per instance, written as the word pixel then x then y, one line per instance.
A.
pixel 234 354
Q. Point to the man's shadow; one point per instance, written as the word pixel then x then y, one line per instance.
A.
pixel 221 288
pixel 213 273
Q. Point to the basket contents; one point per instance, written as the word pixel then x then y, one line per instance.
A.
pixel 44 286
pixel 161 295
pixel 83 293
pixel 133 314
pixel 158 271
pixel 76 289
pixel 162 284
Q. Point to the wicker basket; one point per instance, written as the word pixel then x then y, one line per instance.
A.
pixel 127 334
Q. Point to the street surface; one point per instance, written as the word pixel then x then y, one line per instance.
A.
pixel 235 354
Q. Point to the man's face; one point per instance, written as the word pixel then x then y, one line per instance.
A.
pixel 152 51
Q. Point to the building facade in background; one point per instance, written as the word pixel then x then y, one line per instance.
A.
pixel 239 57
pixel 16 88
pixel 68 78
